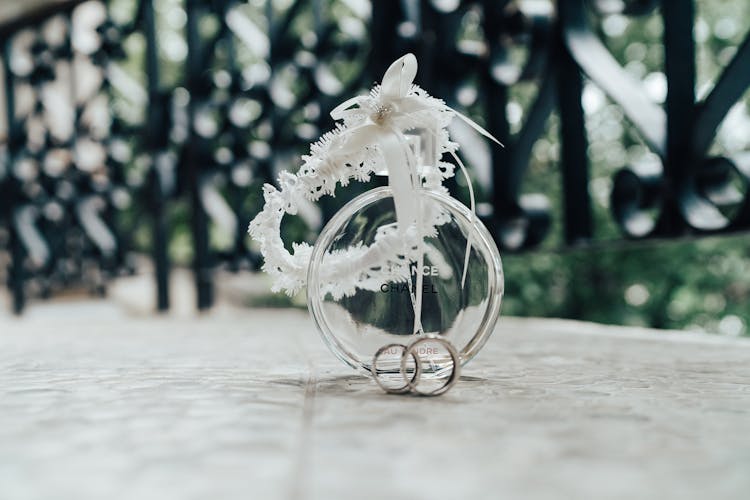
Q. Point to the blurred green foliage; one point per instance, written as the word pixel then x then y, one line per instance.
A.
pixel 696 285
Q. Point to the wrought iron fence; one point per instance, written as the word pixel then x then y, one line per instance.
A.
pixel 118 111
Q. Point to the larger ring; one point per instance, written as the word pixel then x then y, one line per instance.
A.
pixel 413 384
pixel 396 390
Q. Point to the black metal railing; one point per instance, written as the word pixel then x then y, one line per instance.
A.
pixel 124 117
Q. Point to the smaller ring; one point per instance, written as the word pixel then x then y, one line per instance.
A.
pixel 407 386
pixel 414 382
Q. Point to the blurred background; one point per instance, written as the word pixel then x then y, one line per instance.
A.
pixel 135 136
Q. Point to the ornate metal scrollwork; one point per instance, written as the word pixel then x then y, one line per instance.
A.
pixel 208 111
pixel 686 190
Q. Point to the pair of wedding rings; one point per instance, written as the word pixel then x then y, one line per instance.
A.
pixel 411 367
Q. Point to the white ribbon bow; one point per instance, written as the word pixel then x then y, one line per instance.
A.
pixel 397 104
pixel 379 128
pixel 396 101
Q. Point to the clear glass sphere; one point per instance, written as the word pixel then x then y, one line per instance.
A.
pixel 360 304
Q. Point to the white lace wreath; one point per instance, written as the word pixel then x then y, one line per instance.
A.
pixel 370 137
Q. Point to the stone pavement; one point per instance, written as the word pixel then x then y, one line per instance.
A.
pixel 248 404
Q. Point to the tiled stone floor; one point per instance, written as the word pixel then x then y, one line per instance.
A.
pixel 248 404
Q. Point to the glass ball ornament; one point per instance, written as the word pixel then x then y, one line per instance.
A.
pixel 382 308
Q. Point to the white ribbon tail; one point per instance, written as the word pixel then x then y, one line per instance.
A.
pixel 420 272
pixel 486 134
pixel 473 216
pixel 472 206
pixel 475 126
pixel 399 180
pixel 417 293
pixel 338 112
